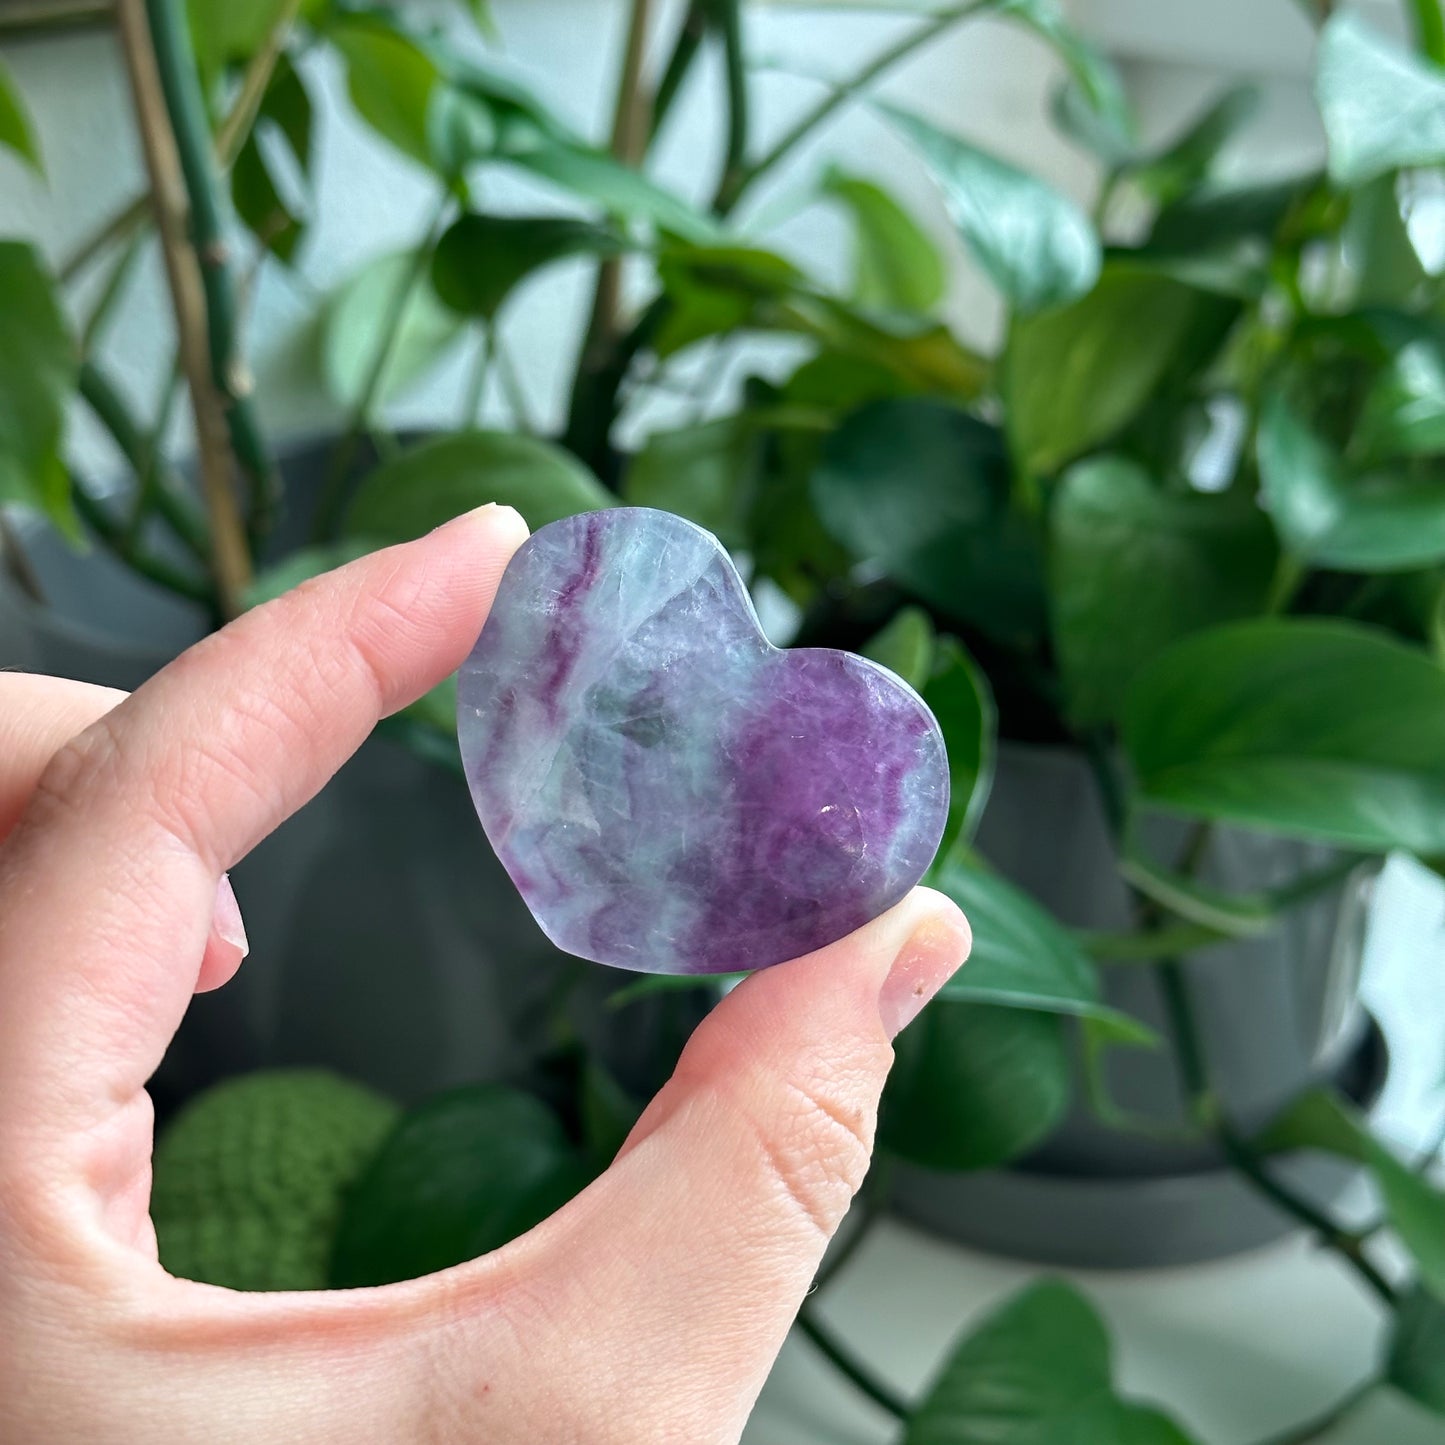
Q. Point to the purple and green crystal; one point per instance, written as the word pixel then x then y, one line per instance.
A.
pixel 669 792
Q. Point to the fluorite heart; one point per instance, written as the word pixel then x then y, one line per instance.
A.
pixel 669 791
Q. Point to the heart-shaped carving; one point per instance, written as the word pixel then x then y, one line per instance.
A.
pixel 669 791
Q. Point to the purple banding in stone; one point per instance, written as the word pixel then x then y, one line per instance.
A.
pixel 669 792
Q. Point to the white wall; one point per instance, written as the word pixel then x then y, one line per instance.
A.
pixel 989 81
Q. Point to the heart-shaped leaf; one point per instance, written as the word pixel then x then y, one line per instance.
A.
pixel 1036 1372
pixel 1116 536
pixel 922 489
pixel 1371 523
pixel 1307 728
pixel 392 82
pixel 463 1174
pixel 975 1086
pixel 419 489
pixel 356 319
pixel 1383 107
pixel 895 265
pixel 1073 378
pixel 1036 246
pixel 1021 957
pixel 480 260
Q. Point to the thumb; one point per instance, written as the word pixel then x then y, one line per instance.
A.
pixel 701 1241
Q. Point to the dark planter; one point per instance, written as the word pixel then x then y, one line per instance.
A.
pixel 1276 1013
pixel 386 940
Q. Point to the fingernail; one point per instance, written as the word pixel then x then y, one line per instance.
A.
pixel 509 517
pixel 226 919
pixel 924 964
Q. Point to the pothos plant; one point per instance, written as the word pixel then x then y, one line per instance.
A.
pixel 1188 518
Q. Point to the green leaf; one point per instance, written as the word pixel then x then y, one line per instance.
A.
pixel 922 489
pixel 1378 264
pixel 1184 166
pixel 715 289
pixel 38 365
pixel 1036 1372
pixel 1404 411
pixel 285 116
pixel 1036 246
pixel 1093 76
pixel 410 494
pixel 607 1113
pixel 1237 915
pixel 619 190
pixel 463 1174
pixel 959 695
pixel 905 647
pixel 235 31
pixel 480 260
pixel 1075 377
pixel 1116 537
pixel 1372 523
pixel 1383 106
pixel 1114 144
pixel 16 131
pixel 1416 1208
pixel 895 265
pixel 392 83
pixel 1021 957
pixel 355 319
pixel 1415 1364
pixel 975 1086
pixel 704 473
pixel 1306 728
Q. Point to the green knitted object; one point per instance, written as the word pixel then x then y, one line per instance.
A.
pixel 249 1177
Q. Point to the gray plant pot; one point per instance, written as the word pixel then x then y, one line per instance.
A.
pixel 386 940
pixel 1276 1013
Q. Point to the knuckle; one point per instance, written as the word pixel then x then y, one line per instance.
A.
pixel 816 1146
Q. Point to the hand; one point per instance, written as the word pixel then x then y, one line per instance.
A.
pixel 649 1309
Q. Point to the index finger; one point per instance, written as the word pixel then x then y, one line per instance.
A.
pixel 107 882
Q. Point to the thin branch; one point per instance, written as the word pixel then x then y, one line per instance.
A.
pixel 131 217
pixel 477 383
pixel 232 132
pixel 512 387
pixel 111 533
pixel 338 474
pixel 17 563
pixel 1194 1071
pixel 153 488
pixel 684 52
pixel 855 1373
pixel 630 123
pixel 111 292
pixel 735 161
pixel 800 131
pixel 231 561
pixel 230 376
pixel 136 447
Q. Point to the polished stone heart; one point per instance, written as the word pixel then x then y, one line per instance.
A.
pixel 669 791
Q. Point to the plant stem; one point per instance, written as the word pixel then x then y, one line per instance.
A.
pixel 684 52
pixel 1289 576
pixel 872 1205
pixel 338 474
pixel 232 132
pixel 153 488
pixel 230 376
pixel 1207 1111
pixel 17 563
pixel 1148 945
pixel 512 386
pixel 1322 1424
pixel 111 533
pixel 630 126
pixel 118 228
pixel 735 59
pixel 849 1368
pixel 915 40
pixel 1429 28
pixel 477 382
pixel 93 331
pixel 141 452
pixel 231 562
